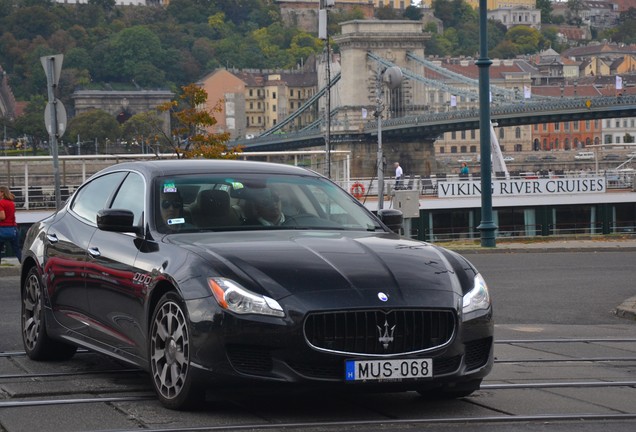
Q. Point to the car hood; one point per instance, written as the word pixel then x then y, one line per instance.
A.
pixel 349 266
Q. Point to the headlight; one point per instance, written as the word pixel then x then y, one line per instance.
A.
pixel 478 297
pixel 233 297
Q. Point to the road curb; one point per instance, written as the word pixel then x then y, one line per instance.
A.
pixel 9 270
pixel 627 309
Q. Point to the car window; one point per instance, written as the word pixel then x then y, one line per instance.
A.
pixel 255 202
pixel 130 196
pixel 95 195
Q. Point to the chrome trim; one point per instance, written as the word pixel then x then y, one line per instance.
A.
pixel 450 340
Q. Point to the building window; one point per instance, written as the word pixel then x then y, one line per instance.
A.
pixel 608 139
pixel 473 149
pixel 463 149
pixel 454 149
pixel 442 150
pixel 501 133
pixel 472 134
pixel 518 133
pixel 545 127
pixel 273 95
pixel 557 126
pixel 453 135
pixel 463 134
pixel 274 107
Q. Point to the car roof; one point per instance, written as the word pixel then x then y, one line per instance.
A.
pixel 168 167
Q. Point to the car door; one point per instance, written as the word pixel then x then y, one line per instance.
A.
pixel 65 249
pixel 115 292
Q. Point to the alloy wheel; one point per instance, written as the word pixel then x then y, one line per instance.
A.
pixel 169 350
pixel 31 311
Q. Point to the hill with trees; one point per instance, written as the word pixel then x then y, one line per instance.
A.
pixel 128 47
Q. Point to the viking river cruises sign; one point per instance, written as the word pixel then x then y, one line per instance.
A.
pixel 524 186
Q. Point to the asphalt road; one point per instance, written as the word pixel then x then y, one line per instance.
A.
pixel 566 288
pixel 555 326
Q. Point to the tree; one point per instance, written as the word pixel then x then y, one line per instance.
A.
pixel 192 138
pixel 147 128
pixel 545 6
pixel 31 123
pixel 574 11
pixel 93 124
pixel 131 48
pixel 413 13
pixel 387 13
pixel 526 39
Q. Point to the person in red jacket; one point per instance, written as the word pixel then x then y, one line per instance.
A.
pixel 8 225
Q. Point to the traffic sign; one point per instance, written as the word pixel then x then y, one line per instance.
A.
pixel 56 70
pixel 60 115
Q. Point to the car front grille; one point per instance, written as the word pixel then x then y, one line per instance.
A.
pixel 378 332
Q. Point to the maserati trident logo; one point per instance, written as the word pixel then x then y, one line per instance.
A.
pixel 386 334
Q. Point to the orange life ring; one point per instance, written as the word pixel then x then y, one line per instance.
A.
pixel 357 190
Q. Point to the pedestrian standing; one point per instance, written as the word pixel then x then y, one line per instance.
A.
pixel 8 225
pixel 464 169
pixel 398 175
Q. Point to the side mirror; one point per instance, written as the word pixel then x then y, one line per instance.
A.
pixel 117 220
pixel 392 218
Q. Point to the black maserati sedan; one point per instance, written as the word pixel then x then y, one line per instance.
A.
pixel 219 275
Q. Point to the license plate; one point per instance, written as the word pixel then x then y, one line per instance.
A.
pixel 388 370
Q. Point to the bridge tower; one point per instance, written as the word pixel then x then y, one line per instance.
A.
pixel 390 40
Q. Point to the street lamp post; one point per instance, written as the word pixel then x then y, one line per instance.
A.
pixel 487 226
pixel 392 77
pixel 324 35
pixel 380 157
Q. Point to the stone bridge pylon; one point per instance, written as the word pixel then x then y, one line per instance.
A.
pixel 390 40
pixel 357 88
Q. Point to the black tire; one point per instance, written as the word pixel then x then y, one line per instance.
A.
pixel 37 343
pixel 169 355
pixel 451 392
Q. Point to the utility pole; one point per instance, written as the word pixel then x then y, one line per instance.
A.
pixel 54 115
pixel 323 20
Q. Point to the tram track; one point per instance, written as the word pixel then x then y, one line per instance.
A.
pixel 126 400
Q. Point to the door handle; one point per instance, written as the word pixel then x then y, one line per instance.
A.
pixel 94 252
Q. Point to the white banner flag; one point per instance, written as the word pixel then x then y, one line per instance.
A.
pixel 364 113
pixel 619 83
pixel 527 92
pixel 453 101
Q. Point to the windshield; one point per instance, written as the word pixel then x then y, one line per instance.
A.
pixel 256 202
